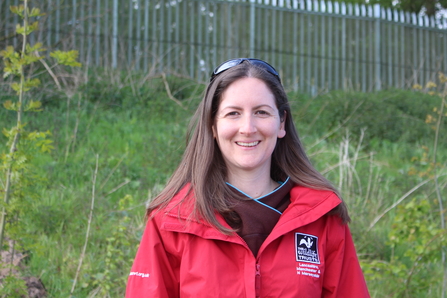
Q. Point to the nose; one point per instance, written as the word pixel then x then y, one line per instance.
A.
pixel 248 125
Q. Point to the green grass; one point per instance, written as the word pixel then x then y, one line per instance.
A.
pixel 138 132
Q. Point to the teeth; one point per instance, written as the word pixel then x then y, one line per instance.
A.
pixel 248 144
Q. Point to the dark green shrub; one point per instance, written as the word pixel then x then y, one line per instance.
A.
pixel 392 115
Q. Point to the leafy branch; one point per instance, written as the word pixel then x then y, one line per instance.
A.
pixel 16 65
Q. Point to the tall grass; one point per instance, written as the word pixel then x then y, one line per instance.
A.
pixel 375 147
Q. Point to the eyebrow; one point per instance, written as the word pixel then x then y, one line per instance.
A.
pixel 254 108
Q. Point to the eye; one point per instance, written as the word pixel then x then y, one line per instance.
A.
pixel 262 113
pixel 232 113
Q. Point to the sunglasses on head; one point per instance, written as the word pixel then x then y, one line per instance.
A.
pixel 234 62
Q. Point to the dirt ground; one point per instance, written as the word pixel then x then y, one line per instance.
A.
pixel 12 264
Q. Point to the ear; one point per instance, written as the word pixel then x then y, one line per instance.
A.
pixel 282 131
pixel 214 132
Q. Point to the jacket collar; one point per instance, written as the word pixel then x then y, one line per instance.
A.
pixel 306 206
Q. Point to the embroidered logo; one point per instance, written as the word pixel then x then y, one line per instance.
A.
pixel 139 274
pixel 306 248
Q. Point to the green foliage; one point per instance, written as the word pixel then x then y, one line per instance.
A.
pixel 132 90
pixel 392 115
pixel 411 226
pixel 118 254
pixel 20 11
pixel 27 29
pixel 32 143
pixel 416 244
pixel 33 106
pixel 13 287
pixel 139 136
pixel 15 61
pixel 431 7
pixel 22 146
pixel 66 58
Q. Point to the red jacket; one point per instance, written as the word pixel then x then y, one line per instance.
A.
pixel 308 254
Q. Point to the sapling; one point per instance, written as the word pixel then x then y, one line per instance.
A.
pixel 22 143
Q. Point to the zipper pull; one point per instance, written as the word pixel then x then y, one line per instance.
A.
pixel 258 280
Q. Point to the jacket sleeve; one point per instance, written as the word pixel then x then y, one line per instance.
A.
pixel 343 276
pixel 153 273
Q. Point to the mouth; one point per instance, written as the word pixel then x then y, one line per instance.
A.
pixel 251 144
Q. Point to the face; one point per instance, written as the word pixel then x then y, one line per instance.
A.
pixel 247 126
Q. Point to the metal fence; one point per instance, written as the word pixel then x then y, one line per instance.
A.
pixel 314 44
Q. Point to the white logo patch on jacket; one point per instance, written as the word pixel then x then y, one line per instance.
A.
pixel 306 248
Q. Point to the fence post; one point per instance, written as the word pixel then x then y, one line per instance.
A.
pixel 377 15
pixel 344 64
pixel 138 37
pixel 146 35
pixel 58 15
pixel 73 23
pixel 252 28
pixel 98 32
pixel 7 5
pixel 130 34
pixel 115 34
pixel 445 45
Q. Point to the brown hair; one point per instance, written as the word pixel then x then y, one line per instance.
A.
pixel 203 166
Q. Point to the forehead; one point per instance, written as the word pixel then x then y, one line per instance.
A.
pixel 247 90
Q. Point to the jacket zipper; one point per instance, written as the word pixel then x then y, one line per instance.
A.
pixel 258 280
pixel 258 267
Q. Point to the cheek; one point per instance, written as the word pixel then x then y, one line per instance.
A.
pixel 272 129
pixel 223 130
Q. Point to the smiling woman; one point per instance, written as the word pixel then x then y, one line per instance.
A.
pixel 246 214
pixel 247 126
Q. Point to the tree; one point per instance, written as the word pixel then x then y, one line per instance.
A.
pixel 430 7
pixel 22 143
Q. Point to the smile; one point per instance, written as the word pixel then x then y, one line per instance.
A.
pixel 252 144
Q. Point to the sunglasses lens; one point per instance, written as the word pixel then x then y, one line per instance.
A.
pixel 264 65
pixel 226 65
pixel 231 63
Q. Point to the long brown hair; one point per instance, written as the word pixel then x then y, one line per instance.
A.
pixel 203 166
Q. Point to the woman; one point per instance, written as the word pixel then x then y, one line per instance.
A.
pixel 246 214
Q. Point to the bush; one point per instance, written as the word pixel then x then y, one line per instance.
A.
pixel 392 115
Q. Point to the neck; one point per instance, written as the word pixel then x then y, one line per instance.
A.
pixel 253 185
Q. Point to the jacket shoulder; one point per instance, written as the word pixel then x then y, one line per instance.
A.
pixel 181 204
pixel 309 198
